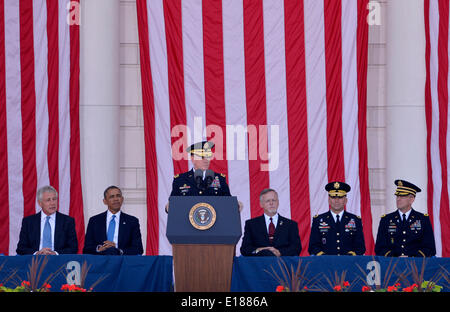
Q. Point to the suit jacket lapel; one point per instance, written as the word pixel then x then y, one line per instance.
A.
pixel 193 183
pixel 122 223
pixel 263 229
pixel 345 219
pixel 330 220
pixel 280 228
pixel 37 230
pixel 102 228
pixel 58 229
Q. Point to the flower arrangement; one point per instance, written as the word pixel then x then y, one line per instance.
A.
pixel 34 276
pixel 290 280
pixel 426 286
pixel 81 287
pixel 344 286
pixel 286 289
pixel 74 288
pixel 408 279
pixel 390 288
pixel 25 286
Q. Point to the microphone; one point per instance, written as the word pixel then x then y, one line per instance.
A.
pixel 198 177
pixel 209 177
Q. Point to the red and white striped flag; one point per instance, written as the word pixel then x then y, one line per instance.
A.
pixel 39 112
pixel 279 86
pixel 437 116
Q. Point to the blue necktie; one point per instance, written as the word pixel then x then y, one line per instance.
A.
pixel 111 229
pixel 47 235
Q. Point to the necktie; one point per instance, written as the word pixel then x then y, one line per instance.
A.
pixel 403 219
pixel 47 234
pixel 271 231
pixel 338 222
pixel 111 229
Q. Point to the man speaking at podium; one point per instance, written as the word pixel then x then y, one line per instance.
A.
pixel 200 180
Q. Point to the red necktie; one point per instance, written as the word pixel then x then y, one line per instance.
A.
pixel 271 231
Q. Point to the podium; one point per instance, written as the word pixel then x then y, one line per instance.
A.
pixel 203 231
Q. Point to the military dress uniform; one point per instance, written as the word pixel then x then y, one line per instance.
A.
pixel 412 237
pixel 184 185
pixel 331 238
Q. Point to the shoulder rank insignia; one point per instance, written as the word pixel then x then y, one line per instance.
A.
pixel 359 217
pixel 176 176
pixel 383 216
pixel 425 214
pixel 223 175
pixel 315 216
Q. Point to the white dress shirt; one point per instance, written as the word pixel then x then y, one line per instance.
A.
pixel 406 213
pixel 341 214
pixel 274 220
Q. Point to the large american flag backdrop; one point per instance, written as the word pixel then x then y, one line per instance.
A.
pixel 289 77
pixel 39 109
pixel 437 116
pixel 286 78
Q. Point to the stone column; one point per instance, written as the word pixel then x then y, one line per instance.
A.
pixel 405 99
pixel 99 107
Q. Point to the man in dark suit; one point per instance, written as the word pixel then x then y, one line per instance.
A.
pixel 337 232
pixel 405 232
pixel 113 232
pixel 270 234
pixel 48 232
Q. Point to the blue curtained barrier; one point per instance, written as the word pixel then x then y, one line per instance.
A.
pixel 251 274
pixel 121 273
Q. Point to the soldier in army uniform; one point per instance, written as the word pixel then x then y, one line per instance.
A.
pixel 337 232
pixel 186 184
pixel 405 232
pixel 200 181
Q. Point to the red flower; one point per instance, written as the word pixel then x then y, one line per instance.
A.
pixel 279 288
pixel 346 284
pixel 25 284
pixel 337 288
pixel 72 288
pixel 366 288
pixel 392 288
pixel 408 289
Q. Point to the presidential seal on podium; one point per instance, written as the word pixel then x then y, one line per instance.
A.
pixel 202 216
